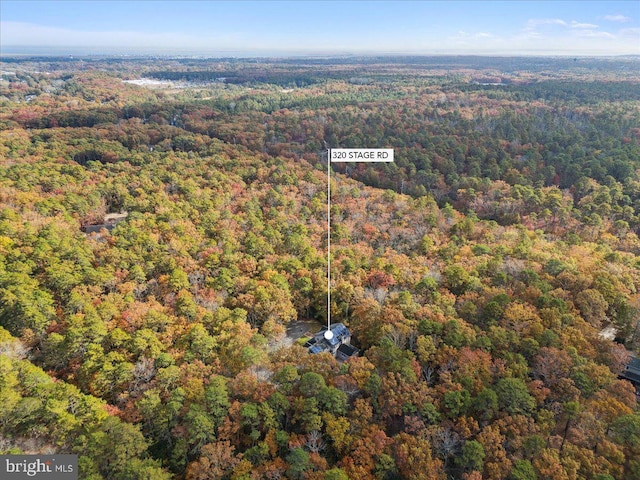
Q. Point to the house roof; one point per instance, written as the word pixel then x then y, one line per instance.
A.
pixel 319 343
pixel 97 228
pixel 115 217
pixel 633 377
pixel 339 330
pixel 347 350
pixel 634 363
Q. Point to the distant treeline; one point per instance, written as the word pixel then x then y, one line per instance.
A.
pixel 468 61
pixel 566 91
pixel 282 78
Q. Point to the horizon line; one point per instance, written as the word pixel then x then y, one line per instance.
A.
pixel 85 51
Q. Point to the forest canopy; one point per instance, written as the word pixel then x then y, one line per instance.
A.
pixel 163 225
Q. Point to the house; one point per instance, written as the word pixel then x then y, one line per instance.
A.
pixel 108 223
pixel 631 373
pixel 338 345
pixel 346 351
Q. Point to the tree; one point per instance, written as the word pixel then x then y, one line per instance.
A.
pixel 552 366
pixel 496 464
pixel 25 305
pixel 299 462
pixel 456 402
pixel 571 410
pixel 549 465
pixel 217 399
pixel 472 457
pixel 414 459
pixel 311 384
pixel 593 306
pixel 485 404
pixel 114 447
pixel 335 474
pixel 513 396
pixel 200 427
pixel 457 279
pixel 522 470
pixel 626 431
pixel 216 460
pixel 306 414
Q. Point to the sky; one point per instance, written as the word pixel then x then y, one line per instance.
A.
pixel 259 28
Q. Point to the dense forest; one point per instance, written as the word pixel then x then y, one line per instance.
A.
pixel 476 273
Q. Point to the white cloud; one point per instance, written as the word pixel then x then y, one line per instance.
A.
pixel 631 32
pixel 617 18
pixel 533 23
pixel 594 34
pixel 542 36
pixel 575 24
pixel 462 34
pixel 558 36
pixel 547 21
pixel 29 34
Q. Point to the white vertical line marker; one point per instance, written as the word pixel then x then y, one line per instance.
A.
pixel 346 155
pixel 329 240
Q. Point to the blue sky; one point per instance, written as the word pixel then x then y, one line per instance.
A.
pixel 321 27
